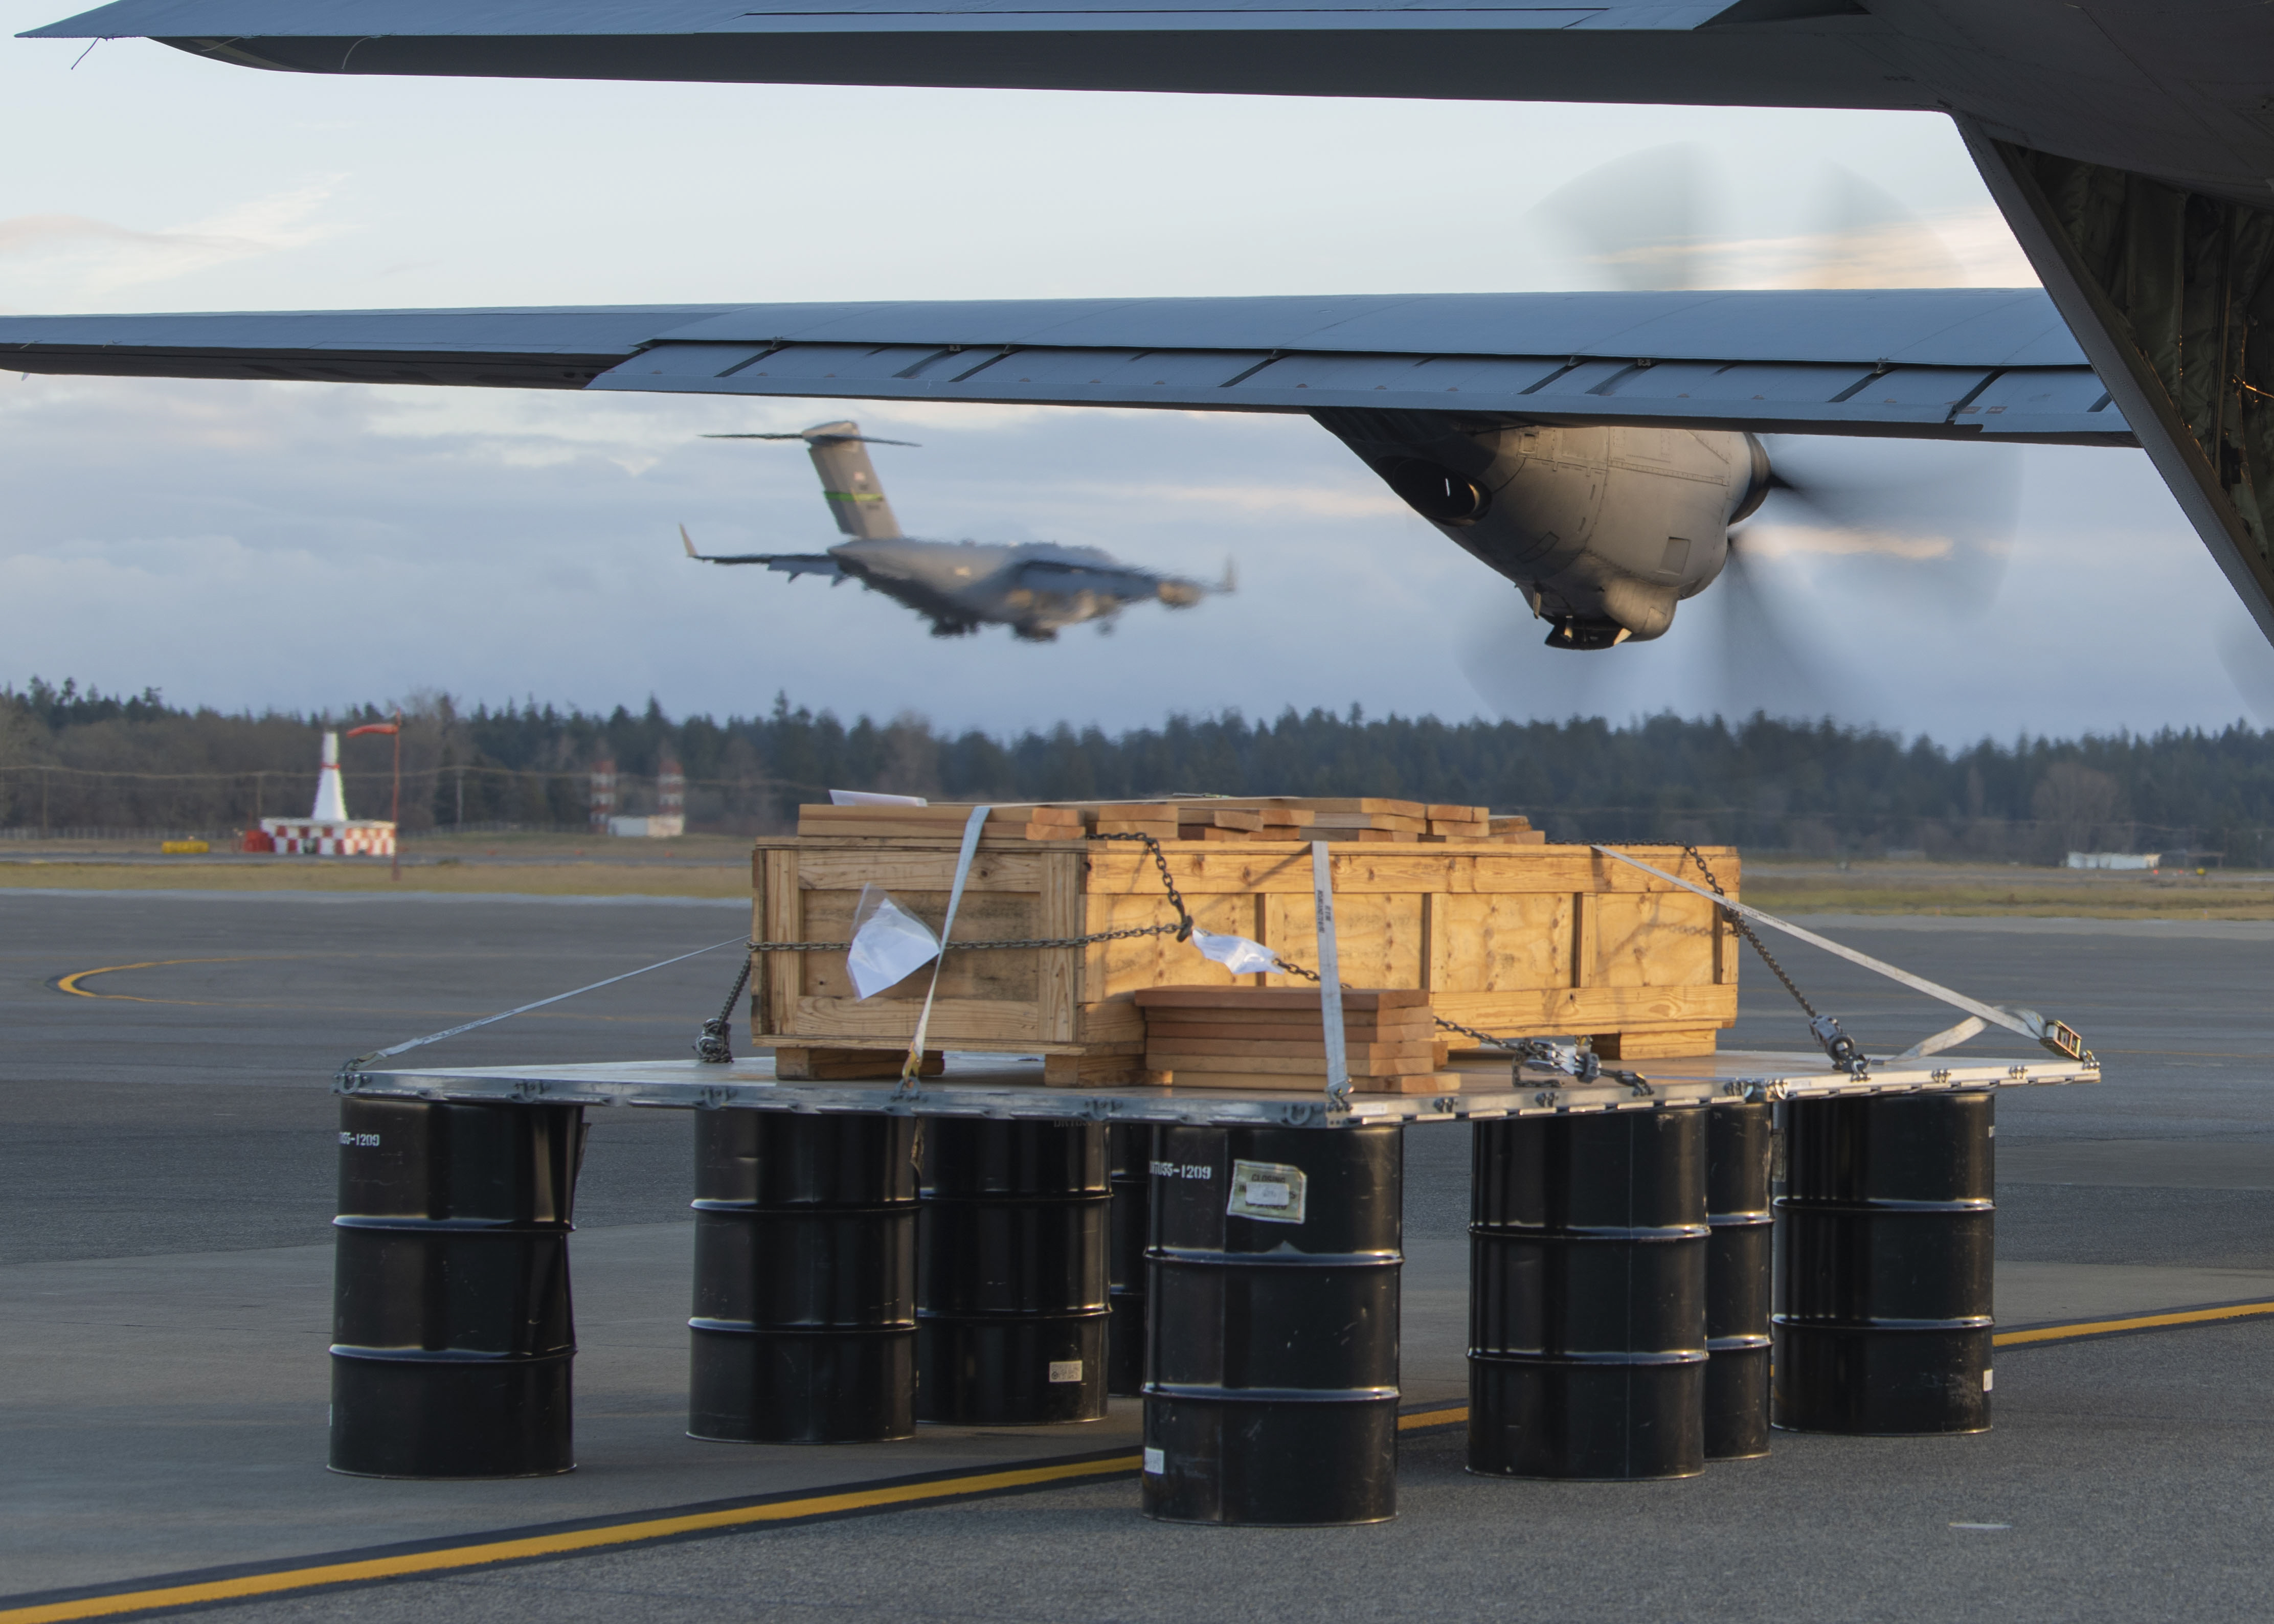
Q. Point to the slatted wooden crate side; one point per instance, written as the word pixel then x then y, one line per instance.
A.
pixel 1020 1000
pixel 1538 939
pixel 1543 939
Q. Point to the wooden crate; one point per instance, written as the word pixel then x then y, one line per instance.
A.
pixel 1525 940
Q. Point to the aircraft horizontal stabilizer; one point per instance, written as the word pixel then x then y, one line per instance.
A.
pixel 786 563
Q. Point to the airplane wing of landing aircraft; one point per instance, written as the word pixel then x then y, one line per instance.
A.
pixel 2128 142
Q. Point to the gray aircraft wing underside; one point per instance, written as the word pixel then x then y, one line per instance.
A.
pixel 1915 362
pixel 2149 86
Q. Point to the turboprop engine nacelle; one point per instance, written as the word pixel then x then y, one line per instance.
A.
pixel 1604 530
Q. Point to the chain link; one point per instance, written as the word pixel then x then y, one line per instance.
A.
pixel 1746 931
pixel 712 1047
pixel 1842 1050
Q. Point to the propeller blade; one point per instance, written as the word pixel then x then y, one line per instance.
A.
pixel 1635 218
pixel 826 440
pixel 1915 528
pixel 1761 652
pixel 1862 236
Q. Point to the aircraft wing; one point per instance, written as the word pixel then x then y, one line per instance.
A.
pixel 1050 575
pixel 1944 362
pixel 1817 53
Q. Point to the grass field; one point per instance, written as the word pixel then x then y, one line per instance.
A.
pixel 519 878
pixel 718 866
pixel 1971 889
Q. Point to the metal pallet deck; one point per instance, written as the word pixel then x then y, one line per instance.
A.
pixel 1010 1087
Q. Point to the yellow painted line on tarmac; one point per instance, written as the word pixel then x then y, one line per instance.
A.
pixel 70 983
pixel 2139 1322
pixel 573 1543
pixel 639 1531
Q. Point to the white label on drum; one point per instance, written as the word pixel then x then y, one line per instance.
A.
pixel 1985 1381
pixel 1155 1463
pixel 1066 1370
pixel 1271 1191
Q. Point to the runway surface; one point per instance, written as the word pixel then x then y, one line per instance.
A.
pixel 166 1180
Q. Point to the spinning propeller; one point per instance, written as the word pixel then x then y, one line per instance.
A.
pixel 1852 542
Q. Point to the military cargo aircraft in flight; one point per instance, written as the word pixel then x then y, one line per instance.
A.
pixel 1592 447
pixel 1037 589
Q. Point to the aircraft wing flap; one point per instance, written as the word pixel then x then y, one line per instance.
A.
pixel 1763 397
pixel 2028 395
pixel 1915 361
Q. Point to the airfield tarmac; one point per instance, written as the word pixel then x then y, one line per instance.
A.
pixel 164 1304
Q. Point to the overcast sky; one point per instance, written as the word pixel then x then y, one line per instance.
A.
pixel 307 546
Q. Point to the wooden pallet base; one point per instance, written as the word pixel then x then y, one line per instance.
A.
pixel 1654 1045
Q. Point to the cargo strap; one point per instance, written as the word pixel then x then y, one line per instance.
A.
pixel 348 1069
pixel 2055 1035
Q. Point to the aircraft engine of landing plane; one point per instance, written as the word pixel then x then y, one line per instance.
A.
pixel 1604 530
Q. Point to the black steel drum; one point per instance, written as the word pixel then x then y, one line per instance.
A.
pixel 804 1327
pixel 1588 1295
pixel 1012 1302
pixel 1885 1247
pixel 1271 1396
pixel 1738 1255
pixel 1129 1170
pixel 453 1334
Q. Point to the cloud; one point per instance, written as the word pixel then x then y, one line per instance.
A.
pixel 98 257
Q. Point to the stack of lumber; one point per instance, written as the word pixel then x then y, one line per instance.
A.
pixel 1272 1037
pixel 1025 821
pixel 1244 819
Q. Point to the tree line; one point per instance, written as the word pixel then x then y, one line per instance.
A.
pixel 75 758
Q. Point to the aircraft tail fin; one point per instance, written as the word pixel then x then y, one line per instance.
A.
pixel 688 541
pixel 848 479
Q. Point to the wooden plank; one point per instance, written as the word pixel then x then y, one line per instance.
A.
pixel 1380 939
pixel 1665 939
pixel 984 916
pixel 1113 969
pixel 1278 998
pixel 1369 820
pixel 1487 942
pixel 1096 1071
pixel 1586 939
pixel 953 1020
pixel 781 971
pixel 1368 1057
pixel 1058 913
pixel 1296 1024
pixel 1020 868
pixel 1119 1021
pixel 1187 1066
pixel 1655 1044
pixel 1588 1008
pixel 1360 803
pixel 1401 867
pixel 1451 812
